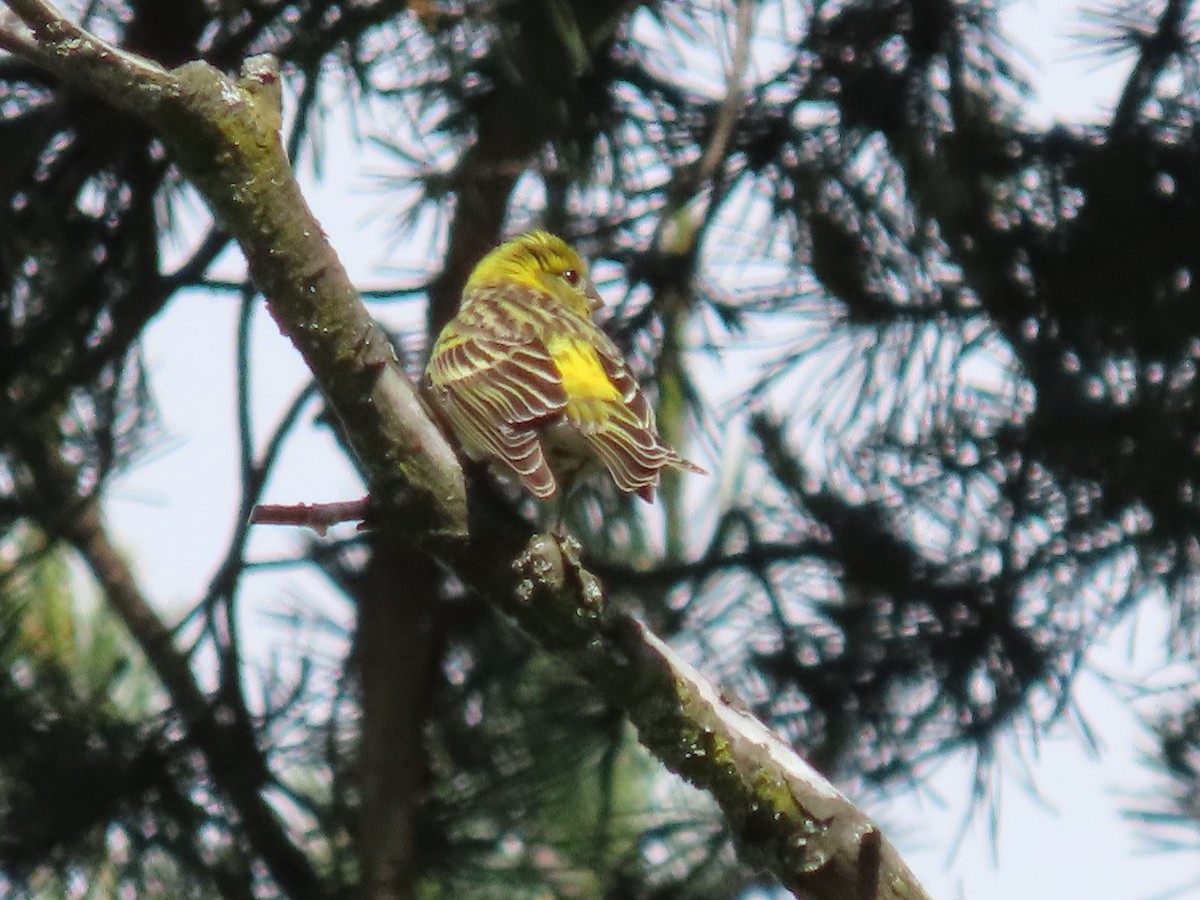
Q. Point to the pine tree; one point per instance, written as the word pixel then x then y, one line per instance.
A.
pixel 940 361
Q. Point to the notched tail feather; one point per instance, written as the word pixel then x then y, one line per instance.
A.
pixel 646 492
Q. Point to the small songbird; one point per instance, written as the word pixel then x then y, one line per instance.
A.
pixel 528 381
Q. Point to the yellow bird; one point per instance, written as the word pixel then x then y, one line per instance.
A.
pixel 528 381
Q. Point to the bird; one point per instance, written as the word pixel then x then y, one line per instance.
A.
pixel 528 381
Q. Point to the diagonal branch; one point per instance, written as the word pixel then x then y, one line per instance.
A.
pixel 1156 50
pixel 735 95
pixel 782 811
pixel 225 137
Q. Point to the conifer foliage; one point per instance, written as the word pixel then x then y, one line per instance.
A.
pixel 941 363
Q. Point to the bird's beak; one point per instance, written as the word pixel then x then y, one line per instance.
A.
pixel 593 298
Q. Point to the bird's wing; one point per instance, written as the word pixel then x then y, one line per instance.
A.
pixel 495 381
pixel 607 407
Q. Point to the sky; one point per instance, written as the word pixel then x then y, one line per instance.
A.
pixel 174 513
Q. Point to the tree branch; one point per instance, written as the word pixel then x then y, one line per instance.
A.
pixel 225 137
pixel 397 649
pixel 735 96
pixel 234 760
pixel 755 558
pixel 320 517
pixel 1156 49
pixel 784 814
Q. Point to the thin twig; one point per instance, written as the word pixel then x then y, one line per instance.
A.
pixel 234 761
pixel 233 566
pixel 735 95
pixel 320 517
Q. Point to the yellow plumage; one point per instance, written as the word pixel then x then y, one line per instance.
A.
pixel 527 380
pixel 583 376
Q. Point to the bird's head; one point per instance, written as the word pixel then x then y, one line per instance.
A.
pixel 542 261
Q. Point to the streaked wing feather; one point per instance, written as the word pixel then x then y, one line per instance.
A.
pixel 624 435
pixel 495 385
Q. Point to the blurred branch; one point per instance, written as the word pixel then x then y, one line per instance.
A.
pixel 398 651
pixel 79 365
pixel 755 558
pixel 1156 50
pixel 234 760
pixel 193 270
pixel 254 473
pixel 735 98
pixel 681 226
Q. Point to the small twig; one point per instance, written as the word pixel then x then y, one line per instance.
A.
pixel 735 95
pixel 317 516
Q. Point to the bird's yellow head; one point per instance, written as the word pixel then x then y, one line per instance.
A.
pixel 541 261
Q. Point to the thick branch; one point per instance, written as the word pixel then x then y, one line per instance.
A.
pixel 784 814
pixel 225 138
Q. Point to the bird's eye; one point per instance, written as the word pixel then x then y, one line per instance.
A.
pixel 572 277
